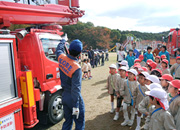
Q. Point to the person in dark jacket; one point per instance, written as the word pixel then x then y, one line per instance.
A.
pixel 107 56
pixel 92 58
pixel 102 59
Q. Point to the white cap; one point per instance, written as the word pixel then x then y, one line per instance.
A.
pixel 123 68
pixel 146 74
pixel 161 95
pixel 133 71
pixel 153 78
pixel 153 85
pixel 113 66
pixel 124 63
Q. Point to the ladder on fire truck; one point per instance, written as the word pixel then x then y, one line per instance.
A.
pixel 17 13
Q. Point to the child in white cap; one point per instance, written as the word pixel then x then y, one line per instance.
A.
pixel 174 103
pixel 126 90
pixel 139 95
pixel 112 84
pixel 124 63
pixel 145 107
pixel 152 79
pixel 161 119
pixel 122 78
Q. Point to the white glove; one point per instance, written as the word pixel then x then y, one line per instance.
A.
pixel 76 112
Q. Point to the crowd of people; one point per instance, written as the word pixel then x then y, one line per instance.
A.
pixel 147 86
pixel 92 59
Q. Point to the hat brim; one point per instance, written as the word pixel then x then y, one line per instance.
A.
pixel 112 67
pixel 122 69
pixel 147 93
pixel 148 79
pixel 130 72
pixel 148 87
pixel 173 85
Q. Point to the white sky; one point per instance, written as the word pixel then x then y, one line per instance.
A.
pixel 139 15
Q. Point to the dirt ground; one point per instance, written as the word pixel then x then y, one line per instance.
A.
pixel 97 103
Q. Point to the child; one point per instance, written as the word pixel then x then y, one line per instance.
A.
pixel 163 57
pixel 139 95
pixel 152 79
pixel 164 65
pixel 141 57
pixel 176 68
pixel 158 61
pixel 86 56
pixel 124 63
pixel 165 79
pixel 112 84
pixel 145 107
pixel 122 72
pixel 148 54
pixel 89 69
pixel 174 103
pixel 161 119
pixel 136 66
pixel 85 69
pixel 156 72
pixel 141 69
pixel 178 52
pixel 126 89
pixel 151 65
pixel 137 61
pixel 130 58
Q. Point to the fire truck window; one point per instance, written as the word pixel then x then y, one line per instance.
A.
pixel 7 84
pixel 170 38
pixel 49 47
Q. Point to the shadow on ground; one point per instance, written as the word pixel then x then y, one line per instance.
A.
pixel 105 122
pixel 99 82
pixel 103 95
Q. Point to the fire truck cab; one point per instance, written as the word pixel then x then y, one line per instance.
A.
pixel 173 40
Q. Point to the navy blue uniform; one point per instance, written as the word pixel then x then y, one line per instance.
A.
pixel 70 76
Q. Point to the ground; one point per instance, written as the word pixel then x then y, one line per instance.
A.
pixel 97 103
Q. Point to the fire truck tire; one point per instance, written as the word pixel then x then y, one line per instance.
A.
pixel 55 108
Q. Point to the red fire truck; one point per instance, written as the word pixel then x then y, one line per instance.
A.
pixel 173 40
pixel 29 76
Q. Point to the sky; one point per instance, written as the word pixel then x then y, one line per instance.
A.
pixel 137 15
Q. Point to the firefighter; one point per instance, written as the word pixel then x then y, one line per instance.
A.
pixel 70 71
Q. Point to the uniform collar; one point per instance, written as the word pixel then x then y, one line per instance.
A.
pixel 71 57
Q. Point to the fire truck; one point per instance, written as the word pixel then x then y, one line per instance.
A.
pixel 29 75
pixel 173 40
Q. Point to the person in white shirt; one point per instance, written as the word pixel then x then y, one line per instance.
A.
pixel 120 54
pixel 89 69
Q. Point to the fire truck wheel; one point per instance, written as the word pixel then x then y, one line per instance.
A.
pixel 55 108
